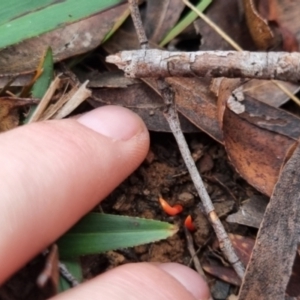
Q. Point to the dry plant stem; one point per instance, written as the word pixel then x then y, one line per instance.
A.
pixel 172 118
pixel 138 25
pixel 231 64
pixel 54 108
pixel 235 45
pixel 79 96
pixel 190 246
pixel 45 100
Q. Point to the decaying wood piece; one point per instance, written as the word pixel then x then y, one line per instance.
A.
pixel 274 252
pixel 231 64
pixel 172 118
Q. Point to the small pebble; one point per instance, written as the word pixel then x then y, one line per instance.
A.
pixel 186 199
pixel 220 290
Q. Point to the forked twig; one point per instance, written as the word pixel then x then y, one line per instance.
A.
pixel 172 118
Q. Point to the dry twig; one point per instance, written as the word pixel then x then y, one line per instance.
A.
pixel 190 246
pixel 172 118
pixel 231 64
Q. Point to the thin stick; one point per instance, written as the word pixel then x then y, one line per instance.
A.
pixel 138 25
pixel 194 257
pixel 172 118
pixel 235 46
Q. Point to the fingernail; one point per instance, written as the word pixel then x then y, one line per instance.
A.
pixel 191 280
pixel 115 122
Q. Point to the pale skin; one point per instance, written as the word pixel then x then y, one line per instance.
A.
pixel 52 173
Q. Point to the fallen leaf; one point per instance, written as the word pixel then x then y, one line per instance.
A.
pixel 141 99
pixel 162 15
pixel 265 91
pixel 273 256
pixel 250 213
pixel 281 16
pixel 252 139
pixel 259 28
pixel 232 22
pixel 9 111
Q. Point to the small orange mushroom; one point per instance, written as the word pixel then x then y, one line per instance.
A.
pixel 168 209
pixel 188 223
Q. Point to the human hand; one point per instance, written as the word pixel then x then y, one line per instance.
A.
pixel 52 173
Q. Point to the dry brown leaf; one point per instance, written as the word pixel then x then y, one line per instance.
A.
pixel 228 15
pixel 288 16
pixel 258 139
pixel 161 16
pixel 141 99
pixel 270 266
pixel 195 101
pixel 259 28
pixel 65 42
pixel 282 16
pixel 265 91
pixel 9 111
pixel 226 274
pixel 250 213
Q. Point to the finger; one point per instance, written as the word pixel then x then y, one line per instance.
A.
pixel 140 281
pixel 54 172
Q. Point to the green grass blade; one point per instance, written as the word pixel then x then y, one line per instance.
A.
pixel 23 19
pixel 42 84
pixel 97 233
pixel 185 22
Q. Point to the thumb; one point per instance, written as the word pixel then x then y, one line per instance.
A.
pixel 54 172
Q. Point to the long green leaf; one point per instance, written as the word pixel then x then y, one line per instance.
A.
pixel 23 19
pixel 40 87
pixel 43 82
pixel 97 233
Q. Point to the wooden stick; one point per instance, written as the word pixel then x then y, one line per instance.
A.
pixel 194 257
pixel 232 64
